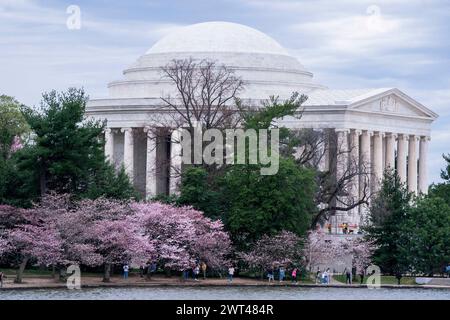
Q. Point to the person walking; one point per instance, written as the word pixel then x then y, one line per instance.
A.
pixel 126 268
pixel 185 274
pixel 281 274
pixel 270 274
pixel 153 268
pixel 196 272
pixel 294 275
pixel 318 276
pixel 447 269
pixel 230 274
pixel 348 276
pixel 2 278
pixel 361 276
pixel 204 267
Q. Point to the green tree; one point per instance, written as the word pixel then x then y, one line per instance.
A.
pixel 259 205
pixel 388 212
pixel 442 190
pixel 196 191
pixel 12 124
pixel 426 234
pixel 13 129
pixel 67 153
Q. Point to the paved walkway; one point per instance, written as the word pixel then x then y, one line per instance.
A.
pixel 136 281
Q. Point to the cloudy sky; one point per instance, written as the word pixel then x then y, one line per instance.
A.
pixel 346 43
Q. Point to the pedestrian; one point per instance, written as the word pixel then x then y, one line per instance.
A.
pixel 348 276
pixel 447 269
pixel 185 274
pixel 141 270
pixel 328 278
pixel 270 274
pixel 204 267
pixel 196 272
pixel 294 275
pixel 281 274
pixel 153 268
pixel 361 276
pixel 230 274
pixel 126 268
pixel 318 276
pixel 2 278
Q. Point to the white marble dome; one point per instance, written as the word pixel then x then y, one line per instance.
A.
pixel 263 64
pixel 217 37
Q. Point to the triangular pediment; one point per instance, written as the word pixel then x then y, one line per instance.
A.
pixel 393 102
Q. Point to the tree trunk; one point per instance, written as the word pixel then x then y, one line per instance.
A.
pixel 107 273
pixel 43 182
pixel 19 274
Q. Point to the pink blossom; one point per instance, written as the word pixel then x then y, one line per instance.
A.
pixel 182 235
pixel 16 145
pixel 283 249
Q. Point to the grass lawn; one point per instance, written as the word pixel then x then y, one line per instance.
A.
pixel 384 279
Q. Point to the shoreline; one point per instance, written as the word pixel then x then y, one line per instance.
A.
pixel 32 283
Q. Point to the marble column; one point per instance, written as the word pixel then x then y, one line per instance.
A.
pixel 175 161
pixel 377 160
pixel 402 148
pixel 128 152
pixel 354 163
pixel 324 152
pixel 365 166
pixel 150 172
pixel 423 170
pixel 109 145
pixel 390 150
pixel 412 164
pixel 342 152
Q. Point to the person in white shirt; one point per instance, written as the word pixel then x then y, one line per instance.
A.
pixel 126 268
pixel 230 274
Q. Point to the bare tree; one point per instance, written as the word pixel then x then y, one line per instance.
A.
pixel 206 93
pixel 339 179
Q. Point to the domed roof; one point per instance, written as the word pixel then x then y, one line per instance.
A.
pixel 217 37
pixel 265 67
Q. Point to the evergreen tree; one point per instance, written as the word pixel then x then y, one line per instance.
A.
pixel 442 190
pixel 67 153
pixel 388 212
pixel 197 192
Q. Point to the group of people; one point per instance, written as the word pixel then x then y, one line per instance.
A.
pixel 195 270
pixel 282 274
pixel 144 270
pixel 323 277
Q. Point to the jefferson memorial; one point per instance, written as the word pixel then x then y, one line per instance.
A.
pixel 384 126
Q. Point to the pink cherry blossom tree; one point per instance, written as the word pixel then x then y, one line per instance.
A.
pixel 183 235
pixel 283 249
pixel 28 234
pixel 321 249
pixel 104 232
